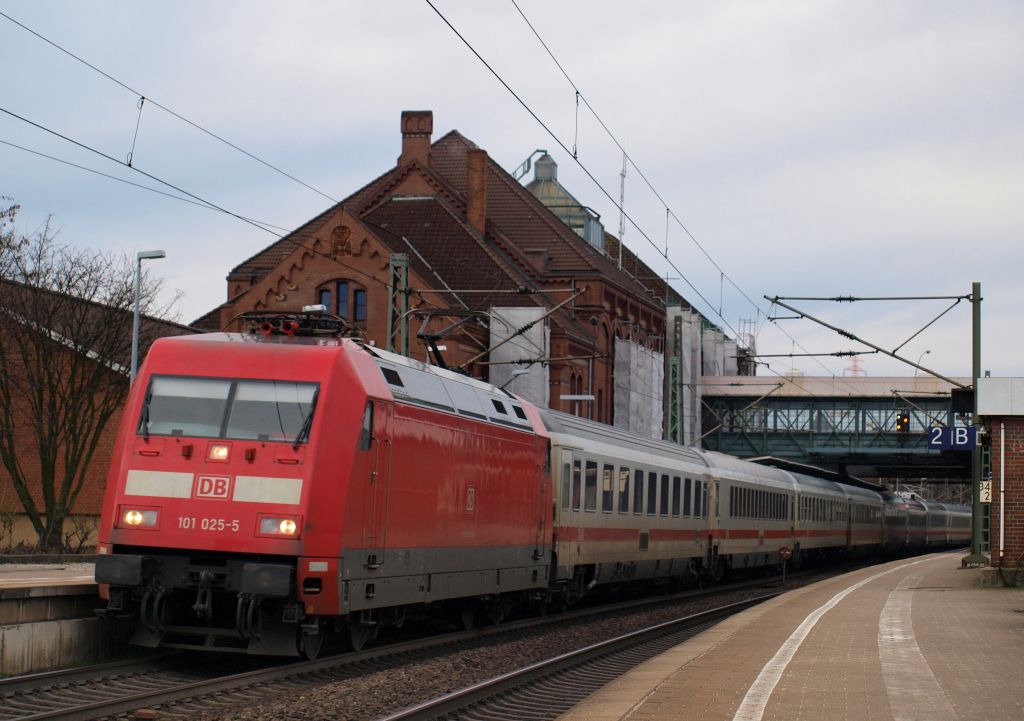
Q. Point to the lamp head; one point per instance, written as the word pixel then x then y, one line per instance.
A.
pixel 150 254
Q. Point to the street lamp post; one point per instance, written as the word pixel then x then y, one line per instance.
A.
pixel 139 257
pixel 923 354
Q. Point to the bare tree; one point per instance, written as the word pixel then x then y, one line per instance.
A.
pixel 65 344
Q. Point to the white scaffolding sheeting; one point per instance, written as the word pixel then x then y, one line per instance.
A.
pixel 639 377
pixel 713 353
pixel 527 380
pixel 731 367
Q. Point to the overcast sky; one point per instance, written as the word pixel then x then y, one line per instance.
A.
pixel 812 148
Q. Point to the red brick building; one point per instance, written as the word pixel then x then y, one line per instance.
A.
pixel 476 240
pixel 1001 407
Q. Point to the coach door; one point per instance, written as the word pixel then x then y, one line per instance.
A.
pixel 378 492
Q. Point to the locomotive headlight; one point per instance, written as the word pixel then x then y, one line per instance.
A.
pixel 278 526
pixel 287 527
pixel 219 452
pixel 139 518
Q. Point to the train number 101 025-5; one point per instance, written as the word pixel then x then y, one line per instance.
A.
pixel 190 523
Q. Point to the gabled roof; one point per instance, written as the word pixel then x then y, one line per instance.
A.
pixel 527 222
pixel 518 224
pixel 442 249
pixel 641 273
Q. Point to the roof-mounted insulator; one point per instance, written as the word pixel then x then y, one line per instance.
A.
pixel 312 321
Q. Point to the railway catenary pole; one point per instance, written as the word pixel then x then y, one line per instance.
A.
pixel 398 304
pixel 976 557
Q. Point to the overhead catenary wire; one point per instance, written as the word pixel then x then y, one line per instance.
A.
pixel 191 197
pixel 128 182
pixel 598 184
pixel 650 185
pixel 565 148
pixel 669 212
pixel 122 163
pixel 146 98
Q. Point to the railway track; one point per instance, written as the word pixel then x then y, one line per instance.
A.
pixel 543 691
pixel 179 686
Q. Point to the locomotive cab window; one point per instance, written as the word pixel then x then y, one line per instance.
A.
pixel 264 410
pixel 366 431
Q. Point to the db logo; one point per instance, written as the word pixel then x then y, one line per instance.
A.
pixel 212 487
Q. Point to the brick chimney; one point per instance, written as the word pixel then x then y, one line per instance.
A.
pixel 476 188
pixel 417 126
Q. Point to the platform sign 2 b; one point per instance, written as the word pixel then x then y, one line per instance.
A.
pixel 958 438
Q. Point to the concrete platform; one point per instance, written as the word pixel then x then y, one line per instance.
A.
pixel 915 639
pixel 47 618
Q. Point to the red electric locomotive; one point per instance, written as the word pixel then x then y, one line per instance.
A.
pixel 265 487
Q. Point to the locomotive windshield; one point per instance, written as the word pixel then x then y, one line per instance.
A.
pixel 263 410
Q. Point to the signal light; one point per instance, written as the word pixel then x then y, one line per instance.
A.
pixel 903 423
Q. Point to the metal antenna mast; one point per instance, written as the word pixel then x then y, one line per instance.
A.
pixel 622 206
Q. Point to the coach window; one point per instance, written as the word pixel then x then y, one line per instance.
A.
pixel 566 484
pixel 664 495
pixel 697 499
pixel 576 482
pixel 607 489
pixel 652 493
pixel 590 487
pixel 638 492
pixel 687 490
pixel 676 481
pixel 623 490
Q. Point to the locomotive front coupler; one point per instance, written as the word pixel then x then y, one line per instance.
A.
pixel 203 606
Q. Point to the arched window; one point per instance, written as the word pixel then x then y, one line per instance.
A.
pixel 343 298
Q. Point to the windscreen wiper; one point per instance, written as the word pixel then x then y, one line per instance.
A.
pixel 303 434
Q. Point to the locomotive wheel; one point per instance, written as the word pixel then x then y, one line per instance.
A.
pixel 310 644
pixel 468 615
pixel 359 633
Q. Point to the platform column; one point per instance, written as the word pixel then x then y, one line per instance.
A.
pixel 976 558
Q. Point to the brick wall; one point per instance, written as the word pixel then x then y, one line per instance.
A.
pixel 1013 506
pixel 90 499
